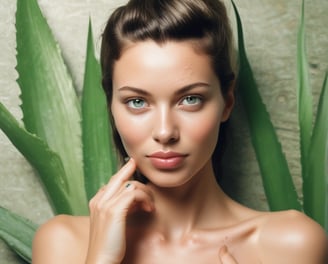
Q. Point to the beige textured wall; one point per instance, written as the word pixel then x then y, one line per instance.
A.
pixel 270 26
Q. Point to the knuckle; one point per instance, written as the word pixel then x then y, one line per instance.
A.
pixel 97 207
pixel 92 202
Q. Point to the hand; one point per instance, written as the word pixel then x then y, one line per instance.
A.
pixel 226 257
pixel 108 212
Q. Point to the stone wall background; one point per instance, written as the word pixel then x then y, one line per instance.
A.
pixel 270 32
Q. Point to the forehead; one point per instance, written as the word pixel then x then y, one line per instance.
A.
pixel 172 61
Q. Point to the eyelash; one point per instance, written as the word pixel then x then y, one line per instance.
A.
pixel 197 97
pixel 130 102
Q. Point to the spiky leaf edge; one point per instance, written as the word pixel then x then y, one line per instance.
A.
pixel 277 181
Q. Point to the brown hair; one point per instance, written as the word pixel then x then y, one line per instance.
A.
pixel 203 21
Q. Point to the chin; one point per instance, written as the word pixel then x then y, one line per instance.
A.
pixel 167 179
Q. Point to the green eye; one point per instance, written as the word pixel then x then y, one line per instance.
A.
pixel 191 100
pixel 136 103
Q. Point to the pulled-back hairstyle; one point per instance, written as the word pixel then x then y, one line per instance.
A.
pixel 204 22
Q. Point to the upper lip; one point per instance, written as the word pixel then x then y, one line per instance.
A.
pixel 166 155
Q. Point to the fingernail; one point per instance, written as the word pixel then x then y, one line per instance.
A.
pixel 223 250
pixel 126 159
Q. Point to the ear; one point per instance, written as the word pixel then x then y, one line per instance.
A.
pixel 229 103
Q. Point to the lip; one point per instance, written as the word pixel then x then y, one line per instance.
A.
pixel 167 160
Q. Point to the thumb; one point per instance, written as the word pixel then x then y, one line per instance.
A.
pixel 226 257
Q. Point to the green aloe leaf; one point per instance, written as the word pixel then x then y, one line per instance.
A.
pixel 314 144
pixel 277 180
pixel 18 233
pixel 316 181
pixel 304 95
pixel 98 154
pixel 44 160
pixel 49 101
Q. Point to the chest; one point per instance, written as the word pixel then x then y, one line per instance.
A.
pixel 205 253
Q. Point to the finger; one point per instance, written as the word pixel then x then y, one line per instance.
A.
pixel 110 193
pixel 116 181
pixel 144 199
pixel 119 179
pixel 125 172
pixel 138 185
pixel 127 200
pixel 129 185
pixel 226 257
pixel 135 185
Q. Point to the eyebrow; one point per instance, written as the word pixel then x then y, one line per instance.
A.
pixel 182 90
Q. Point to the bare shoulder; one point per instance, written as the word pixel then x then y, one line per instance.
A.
pixel 61 240
pixel 293 236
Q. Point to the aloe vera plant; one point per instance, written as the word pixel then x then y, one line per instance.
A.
pixel 99 158
pixel 68 141
pixel 276 176
pixel 50 106
pixel 313 139
pixel 278 184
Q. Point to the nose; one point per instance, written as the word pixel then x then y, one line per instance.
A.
pixel 165 130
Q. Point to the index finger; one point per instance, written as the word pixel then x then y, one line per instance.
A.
pixel 116 181
pixel 125 173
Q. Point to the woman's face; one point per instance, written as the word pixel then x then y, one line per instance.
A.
pixel 167 107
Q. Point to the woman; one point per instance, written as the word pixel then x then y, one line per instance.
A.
pixel 169 82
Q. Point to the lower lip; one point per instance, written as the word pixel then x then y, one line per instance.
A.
pixel 167 163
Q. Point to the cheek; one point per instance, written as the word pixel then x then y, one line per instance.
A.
pixel 205 133
pixel 132 132
pixel 204 127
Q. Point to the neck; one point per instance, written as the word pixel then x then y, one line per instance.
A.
pixel 195 205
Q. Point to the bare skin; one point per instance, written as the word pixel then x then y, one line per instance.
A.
pixel 168 113
pixel 250 236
